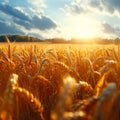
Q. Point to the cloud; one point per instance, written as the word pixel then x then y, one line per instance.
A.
pixel 13 12
pixel 90 6
pixel 37 3
pixel 27 20
pixel 76 7
pixel 27 25
pixel 1 19
pixel 110 30
pixel 37 11
pixel 107 28
pixel 99 10
pixel 43 23
pixel 21 20
pixel 111 5
pixel 5 1
pixel 37 6
pixel 9 29
pixel 96 4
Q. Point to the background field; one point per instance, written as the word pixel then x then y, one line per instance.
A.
pixel 42 81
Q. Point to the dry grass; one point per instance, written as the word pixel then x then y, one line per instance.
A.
pixel 59 82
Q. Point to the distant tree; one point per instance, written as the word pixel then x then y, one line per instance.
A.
pixel 117 41
pixel 58 40
pixel 19 38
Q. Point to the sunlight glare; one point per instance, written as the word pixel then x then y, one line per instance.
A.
pixel 83 27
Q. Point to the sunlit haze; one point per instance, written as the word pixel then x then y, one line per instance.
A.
pixel 61 18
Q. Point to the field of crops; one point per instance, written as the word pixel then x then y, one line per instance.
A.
pixel 59 82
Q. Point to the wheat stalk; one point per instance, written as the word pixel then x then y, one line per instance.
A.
pixel 68 56
pixel 64 98
pixel 40 67
pixel 91 71
pixel 105 103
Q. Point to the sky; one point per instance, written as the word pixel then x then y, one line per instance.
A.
pixel 61 18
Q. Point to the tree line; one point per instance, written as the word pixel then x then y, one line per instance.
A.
pixel 18 38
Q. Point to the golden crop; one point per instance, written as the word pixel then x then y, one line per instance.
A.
pixel 59 82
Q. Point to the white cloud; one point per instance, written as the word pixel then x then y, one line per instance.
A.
pixel 37 7
pixel 93 6
pixel 37 3
pixel 37 11
pixel 76 7
pixel 5 1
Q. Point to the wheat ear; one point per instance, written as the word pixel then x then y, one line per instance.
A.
pixel 4 55
pixel 34 103
pixel 53 53
pixel 9 97
pixel 68 69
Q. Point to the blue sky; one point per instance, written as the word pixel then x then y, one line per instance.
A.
pixel 61 18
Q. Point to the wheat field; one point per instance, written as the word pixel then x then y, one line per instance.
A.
pixel 59 82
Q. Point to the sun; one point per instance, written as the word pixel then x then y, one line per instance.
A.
pixel 83 27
